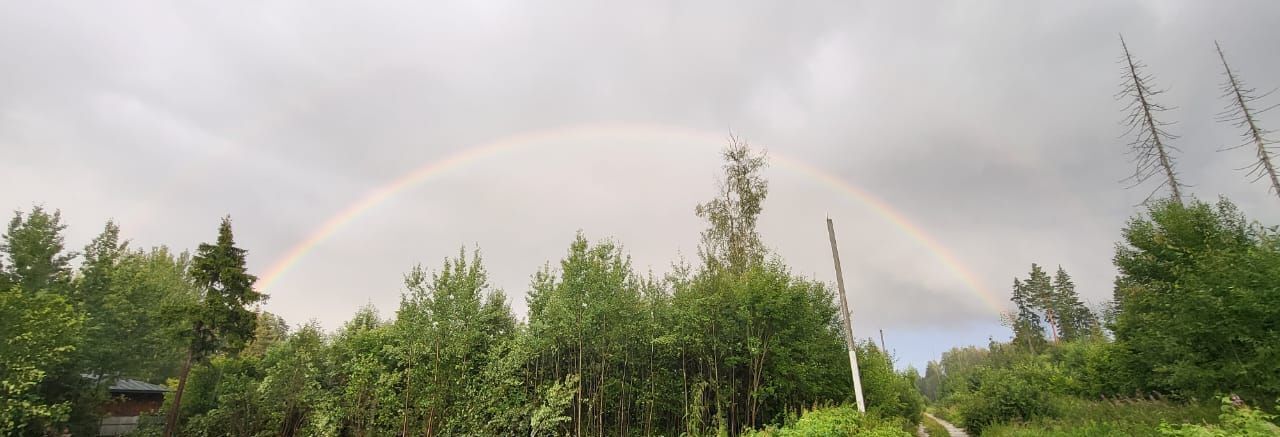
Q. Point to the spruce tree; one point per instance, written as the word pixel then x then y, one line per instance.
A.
pixel 1025 323
pixel 221 321
pixel 1076 320
pixel 1039 290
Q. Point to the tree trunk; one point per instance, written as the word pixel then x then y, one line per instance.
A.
pixel 171 419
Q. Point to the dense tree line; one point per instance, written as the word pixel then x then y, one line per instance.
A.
pixel 733 343
pixel 67 334
pixel 1194 313
pixel 1194 318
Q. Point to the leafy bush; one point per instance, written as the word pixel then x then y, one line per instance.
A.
pixel 1021 393
pixel 1237 420
pixel 888 393
pixel 1094 367
pixel 838 421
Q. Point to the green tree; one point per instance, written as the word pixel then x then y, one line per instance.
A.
pixel 295 372
pixel 34 245
pixel 39 334
pixel 364 402
pixel 448 324
pixel 138 295
pixel 39 263
pixel 268 331
pixel 731 240
pixel 1075 321
pixel 1041 298
pixel 1195 301
pixel 221 321
pixel 931 384
pixel 1025 323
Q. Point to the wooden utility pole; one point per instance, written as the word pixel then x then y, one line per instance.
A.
pixel 882 348
pixel 848 323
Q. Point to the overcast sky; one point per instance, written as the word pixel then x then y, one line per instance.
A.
pixel 990 126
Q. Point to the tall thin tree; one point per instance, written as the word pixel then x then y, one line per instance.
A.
pixel 731 241
pixel 1241 115
pixel 1150 146
pixel 221 321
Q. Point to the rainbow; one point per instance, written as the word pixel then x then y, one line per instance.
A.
pixel 416 176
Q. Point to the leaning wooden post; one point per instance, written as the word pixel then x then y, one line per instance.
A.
pixel 848 323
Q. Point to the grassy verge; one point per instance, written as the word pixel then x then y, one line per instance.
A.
pixel 947 413
pixel 1079 417
pixel 933 428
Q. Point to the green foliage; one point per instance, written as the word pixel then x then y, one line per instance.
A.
pixel 931 384
pixel 838 421
pixel 363 400
pixel 1075 321
pixel 732 344
pixel 222 321
pixel 1094 368
pixel 1085 418
pixel 548 417
pixel 887 393
pixel 294 377
pixel 1236 420
pixel 731 241
pixel 934 429
pixel 1020 393
pixel 39 334
pixel 34 246
pixel 1196 301
pixel 1053 301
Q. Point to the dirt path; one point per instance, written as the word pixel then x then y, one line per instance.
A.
pixel 955 431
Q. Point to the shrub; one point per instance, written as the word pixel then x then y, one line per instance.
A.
pixel 842 420
pixel 1003 395
pixel 1237 420
pixel 888 393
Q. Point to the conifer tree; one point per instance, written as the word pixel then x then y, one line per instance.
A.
pixel 221 321
pixel 1042 298
pixel 1076 320
pixel 1025 323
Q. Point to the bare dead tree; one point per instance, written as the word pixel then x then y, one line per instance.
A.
pixel 1241 115
pixel 1150 146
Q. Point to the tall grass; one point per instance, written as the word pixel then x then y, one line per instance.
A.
pixel 933 428
pixel 1078 417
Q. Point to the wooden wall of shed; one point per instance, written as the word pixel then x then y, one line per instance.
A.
pixel 133 404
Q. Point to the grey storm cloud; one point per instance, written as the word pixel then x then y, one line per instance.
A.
pixel 990 126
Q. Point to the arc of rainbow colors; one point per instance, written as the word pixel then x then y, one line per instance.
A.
pixel 379 195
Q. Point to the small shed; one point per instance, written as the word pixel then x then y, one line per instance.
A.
pixel 130 398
